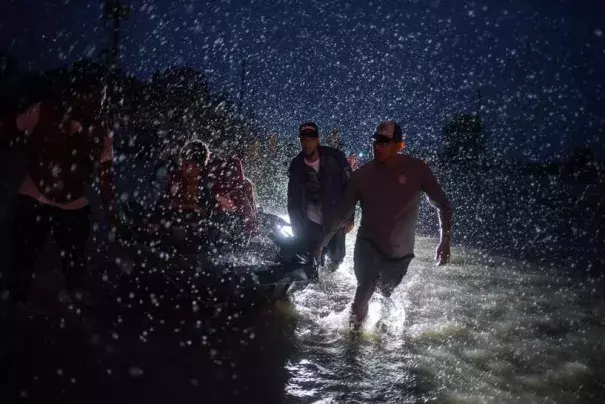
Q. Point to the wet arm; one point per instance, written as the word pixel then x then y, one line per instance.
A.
pixel 439 200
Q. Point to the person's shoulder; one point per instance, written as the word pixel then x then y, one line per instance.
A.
pixel 296 158
pixel 406 158
pixel 411 161
pixel 296 161
pixel 219 163
pixel 419 166
pixel 336 155
pixel 332 152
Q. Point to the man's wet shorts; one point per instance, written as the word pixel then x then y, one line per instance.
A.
pixel 374 269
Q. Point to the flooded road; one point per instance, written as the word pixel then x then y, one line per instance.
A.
pixel 483 329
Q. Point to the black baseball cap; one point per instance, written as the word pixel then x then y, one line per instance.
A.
pixel 388 131
pixel 308 129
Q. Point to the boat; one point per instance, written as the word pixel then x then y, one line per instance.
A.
pixel 205 261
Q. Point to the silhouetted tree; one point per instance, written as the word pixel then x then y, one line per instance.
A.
pixel 153 118
pixel 582 164
pixel 464 140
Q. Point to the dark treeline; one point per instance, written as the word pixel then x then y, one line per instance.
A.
pixel 151 117
pixel 545 211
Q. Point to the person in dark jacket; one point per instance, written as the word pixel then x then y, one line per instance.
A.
pixel 317 180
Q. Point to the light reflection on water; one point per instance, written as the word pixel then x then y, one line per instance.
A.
pixel 482 329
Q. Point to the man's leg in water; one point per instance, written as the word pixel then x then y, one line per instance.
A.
pixel 71 230
pixel 336 249
pixel 31 225
pixel 363 294
pixel 366 267
pixel 307 241
pixel 312 235
pixel 392 273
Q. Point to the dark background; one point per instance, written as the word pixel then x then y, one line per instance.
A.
pixel 538 64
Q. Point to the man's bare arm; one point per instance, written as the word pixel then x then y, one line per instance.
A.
pixel 439 200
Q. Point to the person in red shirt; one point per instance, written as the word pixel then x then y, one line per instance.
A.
pixel 65 138
pixel 185 190
pixel 203 186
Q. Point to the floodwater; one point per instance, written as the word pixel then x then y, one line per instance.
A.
pixel 481 330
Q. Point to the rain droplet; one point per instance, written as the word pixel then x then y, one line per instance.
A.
pixel 135 371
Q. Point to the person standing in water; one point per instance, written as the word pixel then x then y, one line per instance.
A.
pixel 67 140
pixel 317 180
pixel 389 189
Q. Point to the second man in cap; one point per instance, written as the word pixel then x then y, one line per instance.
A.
pixel 317 181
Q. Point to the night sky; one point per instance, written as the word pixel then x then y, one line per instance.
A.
pixel 540 64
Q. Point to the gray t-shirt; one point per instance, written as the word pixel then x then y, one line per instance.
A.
pixel 390 199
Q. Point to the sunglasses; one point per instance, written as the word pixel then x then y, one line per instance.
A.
pixel 381 142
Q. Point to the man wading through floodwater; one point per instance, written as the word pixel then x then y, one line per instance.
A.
pixel 389 188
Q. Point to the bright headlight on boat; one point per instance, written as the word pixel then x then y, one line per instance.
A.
pixel 286 231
